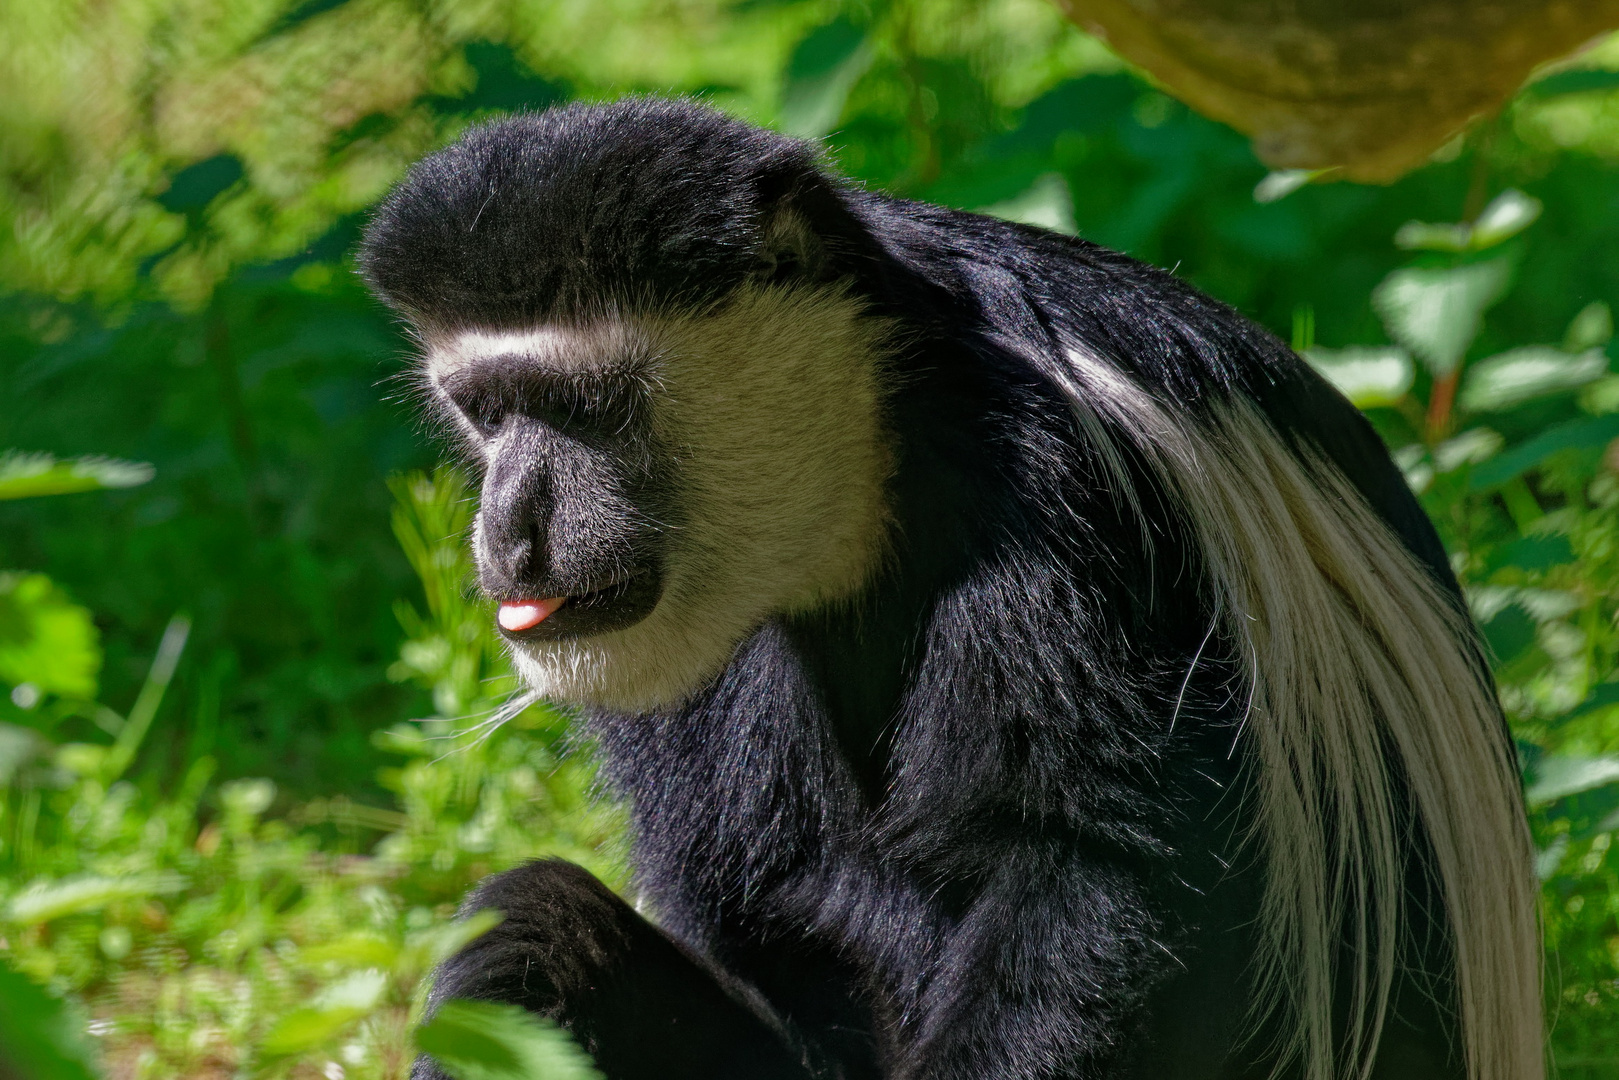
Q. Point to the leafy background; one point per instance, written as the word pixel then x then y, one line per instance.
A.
pixel 224 835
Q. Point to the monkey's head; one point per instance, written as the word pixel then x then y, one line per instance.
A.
pixel 654 360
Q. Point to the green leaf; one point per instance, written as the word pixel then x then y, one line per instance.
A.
pixel 1468 448
pixel 1519 375
pixel 1600 697
pixel 23 476
pixel 1557 777
pixel 1508 214
pixel 823 69
pixel 47 642
pixel 334 1009
pixel 1281 183
pixel 1435 313
pixel 1574 82
pixel 1047 203
pixel 1592 328
pixel 44 901
pixel 40 1038
pixel 303 1030
pixel 478 1040
pixel 1509 634
pixel 1575 434
pixel 1369 376
pixel 428 948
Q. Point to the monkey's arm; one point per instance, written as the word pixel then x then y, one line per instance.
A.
pixel 571 950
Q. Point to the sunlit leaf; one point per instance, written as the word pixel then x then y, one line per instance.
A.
pixel 303 1030
pixel 1507 215
pixel 44 901
pixel 1591 328
pixel 429 948
pixel 1428 236
pixel 46 641
pixel 1280 183
pixel 1435 313
pixel 1519 375
pixel 1468 448
pixel 1557 777
pixel 354 950
pixel 23 476
pixel 478 1040
pixel 1369 376
pixel 332 1011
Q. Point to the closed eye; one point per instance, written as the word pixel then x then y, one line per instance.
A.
pixel 585 403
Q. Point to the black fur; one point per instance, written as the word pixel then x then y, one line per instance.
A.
pixel 981 823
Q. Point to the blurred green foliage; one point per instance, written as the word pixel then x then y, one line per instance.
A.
pixel 215 853
pixel 223 930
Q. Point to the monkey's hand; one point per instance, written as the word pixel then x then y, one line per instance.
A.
pixel 645 1009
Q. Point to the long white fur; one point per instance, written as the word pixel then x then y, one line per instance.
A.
pixel 769 411
pixel 1350 648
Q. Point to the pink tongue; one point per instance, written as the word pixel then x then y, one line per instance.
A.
pixel 520 615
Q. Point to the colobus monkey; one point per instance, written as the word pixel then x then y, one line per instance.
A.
pixel 1018 665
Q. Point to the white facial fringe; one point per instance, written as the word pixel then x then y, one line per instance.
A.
pixel 1350 648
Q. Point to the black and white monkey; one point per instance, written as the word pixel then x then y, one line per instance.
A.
pixel 1017 664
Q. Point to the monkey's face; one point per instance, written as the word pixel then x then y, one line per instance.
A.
pixel 655 487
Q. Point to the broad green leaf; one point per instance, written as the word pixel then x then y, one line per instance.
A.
pixel 40 1038
pixel 1430 236
pixel 1519 375
pixel 1435 313
pixel 1592 328
pixel 354 950
pixel 46 641
pixel 1557 777
pixel 247 798
pixel 1368 376
pixel 1506 216
pixel 1601 696
pixel 305 1029
pixel 1575 434
pixel 822 71
pixel 1468 448
pixel 26 475
pixel 358 990
pixel 334 1009
pixel 1281 183
pixel 44 901
pixel 1416 465
pixel 479 1040
pixel 1544 605
pixel 1047 203
pixel 1574 82
pixel 428 948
